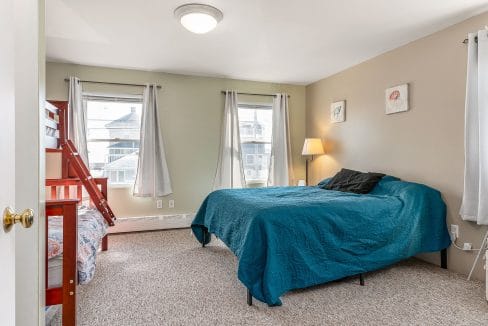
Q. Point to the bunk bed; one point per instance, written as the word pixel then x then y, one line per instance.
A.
pixel 77 217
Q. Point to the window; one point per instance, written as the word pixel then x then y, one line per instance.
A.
pixel 249 158
pixel 113 133
pixel 255 127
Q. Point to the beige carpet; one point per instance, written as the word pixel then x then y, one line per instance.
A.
pixel 166 278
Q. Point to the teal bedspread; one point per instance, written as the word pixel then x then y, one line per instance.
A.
pixel 293 237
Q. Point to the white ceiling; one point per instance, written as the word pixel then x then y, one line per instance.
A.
pixel 288 41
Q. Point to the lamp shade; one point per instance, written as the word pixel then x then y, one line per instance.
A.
pixel 313 146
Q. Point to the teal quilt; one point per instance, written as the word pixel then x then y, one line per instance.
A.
pixel 288 238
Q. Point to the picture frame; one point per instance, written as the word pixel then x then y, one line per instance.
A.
pixel 338 112
pixel 396 99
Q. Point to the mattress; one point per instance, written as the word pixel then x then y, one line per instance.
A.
pixel 50 313
pixel 55 272
pixel 91 229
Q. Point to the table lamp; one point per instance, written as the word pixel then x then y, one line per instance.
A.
pixel 311 147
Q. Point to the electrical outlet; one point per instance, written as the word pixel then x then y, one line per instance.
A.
pixel 171 203
pixel 159 203
pixel 467 246
pixel 454 231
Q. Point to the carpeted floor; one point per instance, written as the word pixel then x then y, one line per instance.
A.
pixel 166 278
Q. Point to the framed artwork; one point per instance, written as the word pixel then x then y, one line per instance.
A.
pixel 338 112
pixel 396 99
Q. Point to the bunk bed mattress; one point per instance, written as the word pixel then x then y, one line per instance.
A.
pixel 55 272
pixel 91 229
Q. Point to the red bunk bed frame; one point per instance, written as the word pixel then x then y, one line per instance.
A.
pixel 76 175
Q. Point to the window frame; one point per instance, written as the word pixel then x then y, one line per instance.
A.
pixel 255 106
pixel 110 98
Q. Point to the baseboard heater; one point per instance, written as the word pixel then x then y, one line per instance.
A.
pixel 150 223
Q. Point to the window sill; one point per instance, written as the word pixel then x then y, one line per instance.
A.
pixel 120 185
pixel 256 184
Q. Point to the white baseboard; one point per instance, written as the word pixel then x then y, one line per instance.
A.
pixel 149 223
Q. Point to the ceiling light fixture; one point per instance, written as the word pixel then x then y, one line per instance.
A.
pixel 198 18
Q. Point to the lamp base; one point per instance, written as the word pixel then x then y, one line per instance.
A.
pixel 306 172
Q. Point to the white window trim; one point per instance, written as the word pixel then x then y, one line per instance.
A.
pixel 112 97
pixel 259 106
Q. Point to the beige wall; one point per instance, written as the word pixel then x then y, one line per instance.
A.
pixel 424 144
pixel 190 112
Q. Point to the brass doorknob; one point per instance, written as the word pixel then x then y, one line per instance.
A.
pixel 26 218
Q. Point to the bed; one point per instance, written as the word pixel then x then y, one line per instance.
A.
pixel 288 238
pixel 77 217
pixel 75 232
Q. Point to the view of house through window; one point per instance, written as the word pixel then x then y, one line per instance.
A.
pixel 113 133
pixel 255 127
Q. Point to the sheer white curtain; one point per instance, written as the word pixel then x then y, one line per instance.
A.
pixel 230 171
pixel 77 118
pixel 152 179
pixel 280 166
pixel 475 204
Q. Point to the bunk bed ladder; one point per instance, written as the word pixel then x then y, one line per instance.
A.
pixel 86 179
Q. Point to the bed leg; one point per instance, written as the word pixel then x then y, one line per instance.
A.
pixel 69 312
pixel 361 279
pixel 204 237
pixel 70 272
pixel 444 258
pixel 249 298
pixel 105 243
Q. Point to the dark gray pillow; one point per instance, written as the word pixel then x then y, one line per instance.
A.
pixel 322 183
pixel 354 181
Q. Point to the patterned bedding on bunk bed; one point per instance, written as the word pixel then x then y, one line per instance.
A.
pixel 91 229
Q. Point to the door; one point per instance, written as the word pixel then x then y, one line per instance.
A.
pixel 21 87
pixel 7 166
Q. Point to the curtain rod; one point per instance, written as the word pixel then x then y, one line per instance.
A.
pixel 254 94
pixel 110 83
pixel 465 41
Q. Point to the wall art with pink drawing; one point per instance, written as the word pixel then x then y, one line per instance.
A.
pixel 396 99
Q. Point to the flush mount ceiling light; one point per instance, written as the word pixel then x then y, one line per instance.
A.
pixel 198 18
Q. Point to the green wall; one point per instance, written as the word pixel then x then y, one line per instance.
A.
pixel 190 112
